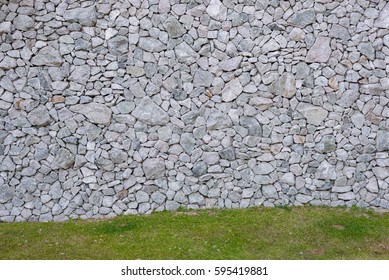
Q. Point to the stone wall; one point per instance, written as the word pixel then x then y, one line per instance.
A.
pixel 125 107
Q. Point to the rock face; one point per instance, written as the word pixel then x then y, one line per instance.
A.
pixel 127 107
pixel 320 51
pixel 148 112
pixel 95 112
pixel 47 56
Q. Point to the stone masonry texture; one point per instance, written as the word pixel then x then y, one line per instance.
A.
pixel 128 107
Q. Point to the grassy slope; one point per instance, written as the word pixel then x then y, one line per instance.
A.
pixel 255 233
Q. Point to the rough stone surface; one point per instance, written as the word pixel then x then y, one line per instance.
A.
pixel 127 107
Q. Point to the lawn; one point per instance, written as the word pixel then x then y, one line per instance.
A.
pixel 254 233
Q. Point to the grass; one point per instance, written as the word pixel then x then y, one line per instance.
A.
pixel 254 233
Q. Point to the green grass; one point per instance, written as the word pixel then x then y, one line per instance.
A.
pixel 254 233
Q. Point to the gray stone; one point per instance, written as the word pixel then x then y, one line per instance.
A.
pixel 174 28
pixel 56 191
pixel 39 116
pixel 302 198
pixel 196 198
pixel 6 193
pixel 118 156
pixel 382 141
pixel 367 50
pixel 84 16
pixel 185 54
pixel 340 32
pixel 320 51
pixel 326 171
pixel 179 94
pixel 285 85
pixel 151 44
pixel 228 154
pixel 142 196
pixel 47 56
pixel 135 71
pixel 118 45
pixel 230 64
pixel 202 78
pixel 381 172
pixel 218 120
pixel 252 125
pixel 327 144
pixel 172 205
pixel 5 27
pixel 188 142
pixel 263 168
pixel 372 185
pixel 302 18
pixel 154 168
pixel 150 113
pixel 158 197
pixel 313 114
pixel 95 112
pixel 23 22
pixel 8 63
pixel 270 46
pixel 383 19
pixel 217 10
pixel 63 159
pixel 210 157
pixel 80 74
pixel 231 90
pixel 302 70
pixel 269 191
pixel 199 169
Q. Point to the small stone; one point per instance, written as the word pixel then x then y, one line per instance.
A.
pixel 320 51
pixel 23 22
pixel 118 45
pixel 340 32
pixel 135 71
pixel 95 112
pixel 80 74
pixel 263 168
pixel 333 83
pixel 5 27
pixel 64 159
pixel 185 54
pixel 57 99
pixel 150 113
pixel 372 185
pixel 151 44
pixel 84 16
pixel 188 142
pixel 314 114
pixel 302 18
pixel 288 178
pixel 367 50
pixel 358 119
pixel 217 10
pixel 327 144
pixel 174 28
pixel 118 156
pixel 269 191
pixel 302 198
pixel 383 19
pixel 231 90
pixel 228 154
pixel 382 140
pixel 326 171
pixel 381 172
pixel 39 116
pixel 270 46
pixel 218 120
pixel 210 157
pixel 285 86
pixel 8 63
pixel 47 56
pixel 202 78
pixel 230 64
pixel 154 168
pixel 199 169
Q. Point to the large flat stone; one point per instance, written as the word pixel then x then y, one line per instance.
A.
pixel 150 113
pixel 47 56
pixel 383 19
pixel 84 16
pixel 95 112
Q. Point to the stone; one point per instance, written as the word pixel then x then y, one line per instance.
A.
pixel 23 22
pixel 188 142
pixel 320 50
pixel 6 193
pixel 340 32
pixel 383 19
pixel 135 71
pixel 85 16
pixel 47 56
pixel 303 18
pixel 269 191
pixel 151 44
pixel 382 141
pixel 80 74
pixel 270 46
pixel 302 198
pixel 95 112
pixel 218 120
pixel 63 159
pixel 172 205
pixel 118 156
pixel 327 144
pixel 326 171
pixel 154 168
pixel 302 70
pixel 199 169
pixel 263 168
pixel 8 63
pixel 210 157
pixel 288 178
pixel 173 27
pixel 202 78
pixel 367 50
pixel 57 99
pixel 5 27
pixel 142 196
pixel 358 119
pixel 285 85
pixel 372 185
pixel 231 90
pixel 230 64
pixel 39 116
pixel 313 114
pixel 150 113
pixel 185 54
pixel 381 172
pixel 217 10
pixel 118 45
pixel 228 154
